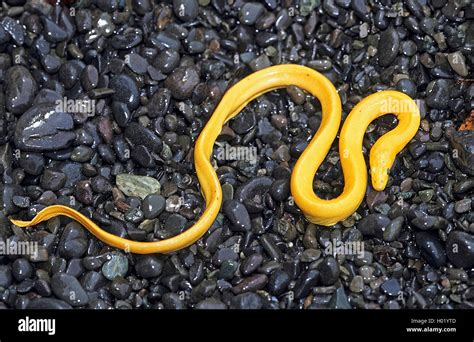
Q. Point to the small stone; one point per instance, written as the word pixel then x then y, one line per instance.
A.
pixel 68 288
pixel 305 283
pixel 238 216
pixel 424 222
pixel 431 249
pixel 460 249
pixel 373 225
pixel 227 269
pixel 310 255
pixel 148 266
pixel 128 39
pixel 140 186
pixel 210 304
pixel 83 192
pixel 357 284
pixel 463 206
pixel 251 264
pixel 14 29
pixel 223 255
pixel 117 266
pixel 52 32
pixel 137 135
pixel 463 143
pixel 73 242
pixel 126 90
pixel 120 288
pixel 21 269
pixel 407 86
pixel 167 60
pixel 32 163
pixel 389 44
pixel 153 205
pixel 251 284
pixel 175 224
pixel 278 282
pixel 186 10
pixel 182 81
pixel 391 287
pixel 82 154
pixel 339 300
pixel 20 90
pixel 250 12
pixel 393 229
pixel 329 271
pixel 458 63
pixel 42 128
pixel 246 301
pixel 5 276
pixel 136 63
pixel 70 73
pixel 53 180
pixel 437 93
pixel 51 63
pixel 89 77
pixel 48 304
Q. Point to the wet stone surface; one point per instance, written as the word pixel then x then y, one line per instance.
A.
pixel 155 72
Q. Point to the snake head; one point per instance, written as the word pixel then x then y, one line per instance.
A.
pixel 379 170
pixel 379 177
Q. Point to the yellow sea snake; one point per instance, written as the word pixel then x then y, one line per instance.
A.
pixel 316 210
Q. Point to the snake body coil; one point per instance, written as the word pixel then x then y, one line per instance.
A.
pixel 324 212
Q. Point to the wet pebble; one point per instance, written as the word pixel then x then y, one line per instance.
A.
pixel 117 266
pixel 278 282
pixel 251 284
pixel 463 143
pixel 73 241
pixel 32 163
pixel 68 288
pixel 393 229
pixel 389 44
pixel 251 264
pixel 136 63
pixel 53 180
pixel 437 94
pixel 329 271
pixel 140 186
pixel 5 276
pixel 460 249
pixel 238 216
pixel 42 128
pixel 431 249
pixel 250 12
pixel 126 90
pixel 186 10
pixel 391 287
pixel 20 89
pixel 148 266
pixel 139 135
pixel 182 81
pixel 373 225
pixel 246 301
pixel 153 205
pixel 21 269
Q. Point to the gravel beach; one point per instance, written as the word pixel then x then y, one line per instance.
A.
pixel 101 103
